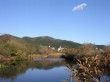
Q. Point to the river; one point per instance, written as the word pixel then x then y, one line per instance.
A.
pixel 40 70
pixel 37 70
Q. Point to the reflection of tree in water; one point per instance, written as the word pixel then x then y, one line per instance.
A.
pixel 11 70
pixel 49 64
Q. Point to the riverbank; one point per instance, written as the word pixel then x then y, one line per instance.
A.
pixel 29 57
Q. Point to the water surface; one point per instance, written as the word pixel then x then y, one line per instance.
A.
pixel 38 70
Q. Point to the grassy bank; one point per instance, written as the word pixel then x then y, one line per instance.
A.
pixel 30 57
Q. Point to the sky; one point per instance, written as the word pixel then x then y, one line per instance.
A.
pixel 76 20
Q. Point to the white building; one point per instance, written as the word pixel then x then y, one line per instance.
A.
pixel 60 48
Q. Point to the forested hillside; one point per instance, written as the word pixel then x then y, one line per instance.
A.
pixel 46 40
pixel 12 46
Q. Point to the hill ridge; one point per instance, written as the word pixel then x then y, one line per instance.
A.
pixel 47 40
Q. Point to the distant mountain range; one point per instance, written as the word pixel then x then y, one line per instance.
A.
pixel 45 41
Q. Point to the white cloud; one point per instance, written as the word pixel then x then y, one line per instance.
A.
pixel 79 7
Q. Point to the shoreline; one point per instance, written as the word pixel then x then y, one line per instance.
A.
pixel 15 58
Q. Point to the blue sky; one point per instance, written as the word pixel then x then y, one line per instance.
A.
pixel 76 20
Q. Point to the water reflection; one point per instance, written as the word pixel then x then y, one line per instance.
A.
pixel 49 63
pixel 39 70
pixel 43 70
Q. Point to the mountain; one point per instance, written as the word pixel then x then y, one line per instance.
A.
pixel 46 40
pixel 16 48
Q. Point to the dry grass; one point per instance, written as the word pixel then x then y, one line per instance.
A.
pixel 90 68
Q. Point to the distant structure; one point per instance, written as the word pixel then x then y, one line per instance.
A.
pixel 52 48
pixel 49 46
pixel 60 48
